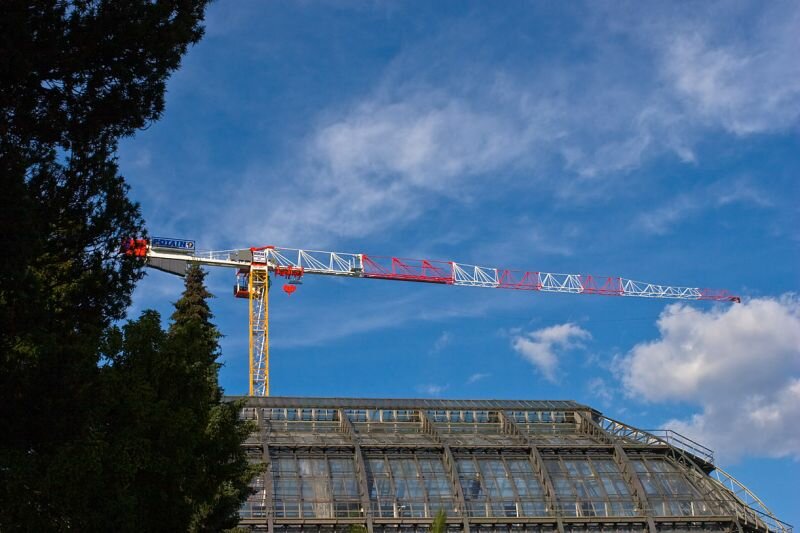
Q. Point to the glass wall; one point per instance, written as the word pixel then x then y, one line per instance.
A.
pixel 590 486
pixel 669 491
pixel 413 485
pixel 550 427
pixel 500 486
pixel 312 483
pixel 315 487
pixel 303 426
pixel 388 426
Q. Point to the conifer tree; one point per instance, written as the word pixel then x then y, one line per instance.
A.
pixel 223 474
pixel 75 78
pixel 175 460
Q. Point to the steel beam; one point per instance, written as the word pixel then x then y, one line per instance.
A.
pixel 509 427
pixel 268 482
pixel 449 464
pixel 629 474
pixel 589 427
pixel 361 467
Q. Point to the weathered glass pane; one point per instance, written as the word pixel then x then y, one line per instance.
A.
pixel 650 484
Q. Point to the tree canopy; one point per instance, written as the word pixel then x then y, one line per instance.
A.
pixel 83 424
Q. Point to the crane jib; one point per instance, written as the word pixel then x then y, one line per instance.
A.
pixel 257 267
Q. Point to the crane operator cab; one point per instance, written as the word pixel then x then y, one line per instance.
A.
pixel 241 289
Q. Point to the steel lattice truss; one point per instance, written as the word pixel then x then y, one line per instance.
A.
pixel 302 262
pixel 460 274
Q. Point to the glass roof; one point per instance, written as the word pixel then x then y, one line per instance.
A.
pixel 479 461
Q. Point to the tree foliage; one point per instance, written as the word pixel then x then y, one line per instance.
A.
pixel 183 464
pixel 81 422
pixel 439 524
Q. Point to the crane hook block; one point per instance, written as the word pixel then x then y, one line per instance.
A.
pixel 289 288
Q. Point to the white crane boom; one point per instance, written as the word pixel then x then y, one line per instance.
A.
pixel 255 265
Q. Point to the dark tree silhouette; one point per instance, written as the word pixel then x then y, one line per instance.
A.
pixel 76 77
pixel 175 456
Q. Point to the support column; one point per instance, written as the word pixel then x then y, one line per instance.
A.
pixel 361 467
pixel 630 475
pixel 450 465
pixel 591 428
pixel 509 427
pixel 268 482
pixel 258 288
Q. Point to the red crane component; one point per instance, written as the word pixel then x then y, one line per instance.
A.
pixel 135 247
pixel 408 269
pixel 289 272
pixel 289 288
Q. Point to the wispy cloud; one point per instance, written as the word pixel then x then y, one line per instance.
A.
pixel 662 219
pixel 542 347
pixel 421 136
pixel 430 389
pixel 384 160
pixel 441 342
pixel 383 315
pixel 478 376
pixel 601 389
pixel 746 87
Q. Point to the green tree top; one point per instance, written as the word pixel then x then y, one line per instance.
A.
pixel 176 450
pixel 193 305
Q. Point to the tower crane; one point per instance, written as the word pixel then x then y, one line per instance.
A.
pixel 256 266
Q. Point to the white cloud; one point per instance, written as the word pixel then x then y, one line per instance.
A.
pixel 744 87
pixel 441 342
pixel 740 365
pixel 599 388
pixel 385 160
pixel 431 389
pixel 660 220
pixel 426 139
pixel 542 347
pixel 749 424
pixel 474 378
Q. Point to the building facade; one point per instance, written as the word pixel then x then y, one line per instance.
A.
pixel 390 466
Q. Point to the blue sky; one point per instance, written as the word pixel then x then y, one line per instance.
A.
pixel 648 140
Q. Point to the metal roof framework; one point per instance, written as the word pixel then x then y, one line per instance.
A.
pixel 389 465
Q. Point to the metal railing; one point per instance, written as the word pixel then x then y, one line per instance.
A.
pixel 755 512
pixel 762 514
pixel 656 437
pixel 673 438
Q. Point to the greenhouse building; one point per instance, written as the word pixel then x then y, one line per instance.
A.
pixel 392 466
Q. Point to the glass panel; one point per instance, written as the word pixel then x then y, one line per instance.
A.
pixel 590 486
pixel 315 487
pixel 670 492
pixel 410 486
pixel 502 483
